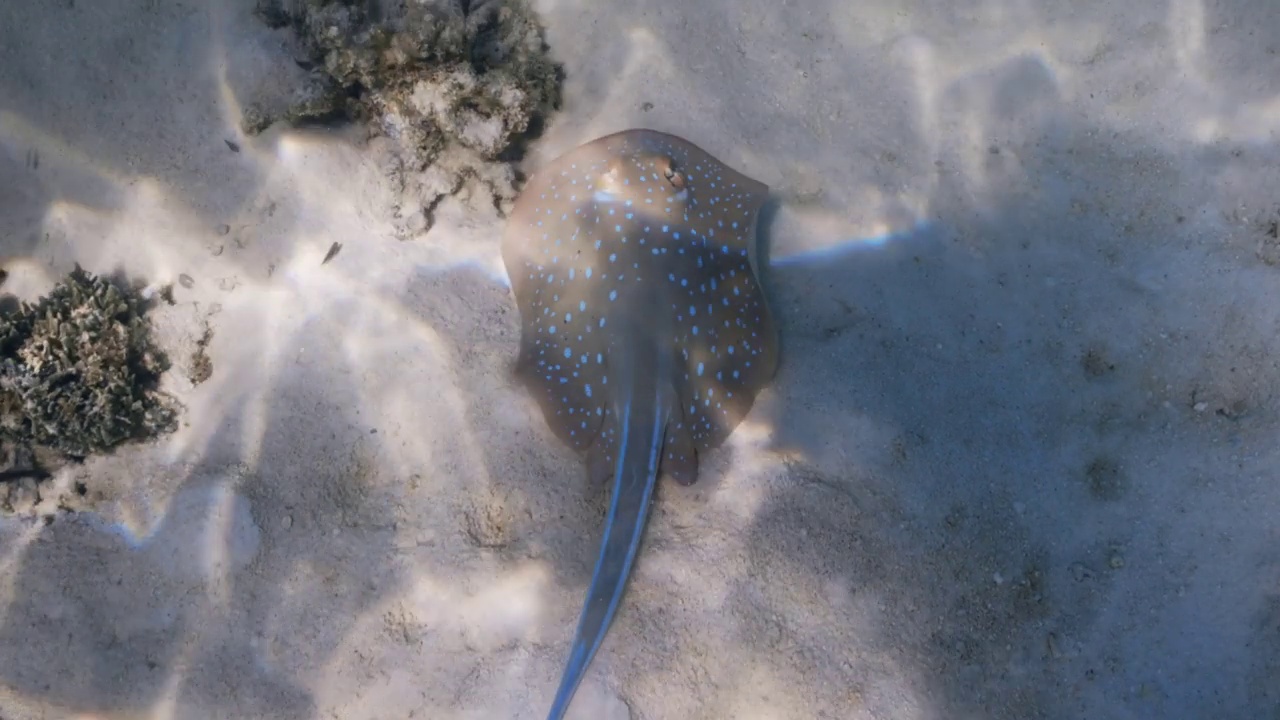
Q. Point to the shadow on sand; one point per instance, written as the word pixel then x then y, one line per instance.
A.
pixel 995 486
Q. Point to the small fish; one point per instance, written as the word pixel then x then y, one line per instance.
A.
pixel 332 253
pixel 645 334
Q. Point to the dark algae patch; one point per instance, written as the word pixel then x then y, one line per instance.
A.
pixel 201 367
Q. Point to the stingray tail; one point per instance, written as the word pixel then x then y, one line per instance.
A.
pixel 643 421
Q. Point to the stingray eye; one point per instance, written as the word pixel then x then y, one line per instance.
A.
pixel 674 176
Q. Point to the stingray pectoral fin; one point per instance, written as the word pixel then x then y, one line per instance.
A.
pixel 679 453
pixel 639 454
pixel 599 463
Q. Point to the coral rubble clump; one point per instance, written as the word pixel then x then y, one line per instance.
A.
pixel 78 370
pixel 438 76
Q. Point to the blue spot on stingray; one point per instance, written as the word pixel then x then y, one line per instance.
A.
pixel 699 369
pixel 568 352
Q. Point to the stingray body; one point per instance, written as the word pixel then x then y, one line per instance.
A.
pixel 645 335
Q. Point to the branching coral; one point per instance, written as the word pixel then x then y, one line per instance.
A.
pixel 78 370
pixel 457 83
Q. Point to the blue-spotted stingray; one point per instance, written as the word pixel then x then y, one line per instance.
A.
pixel 645 334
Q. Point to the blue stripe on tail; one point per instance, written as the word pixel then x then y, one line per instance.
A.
pixel 644 422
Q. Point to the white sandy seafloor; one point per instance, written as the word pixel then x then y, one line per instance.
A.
pixel 1020 459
